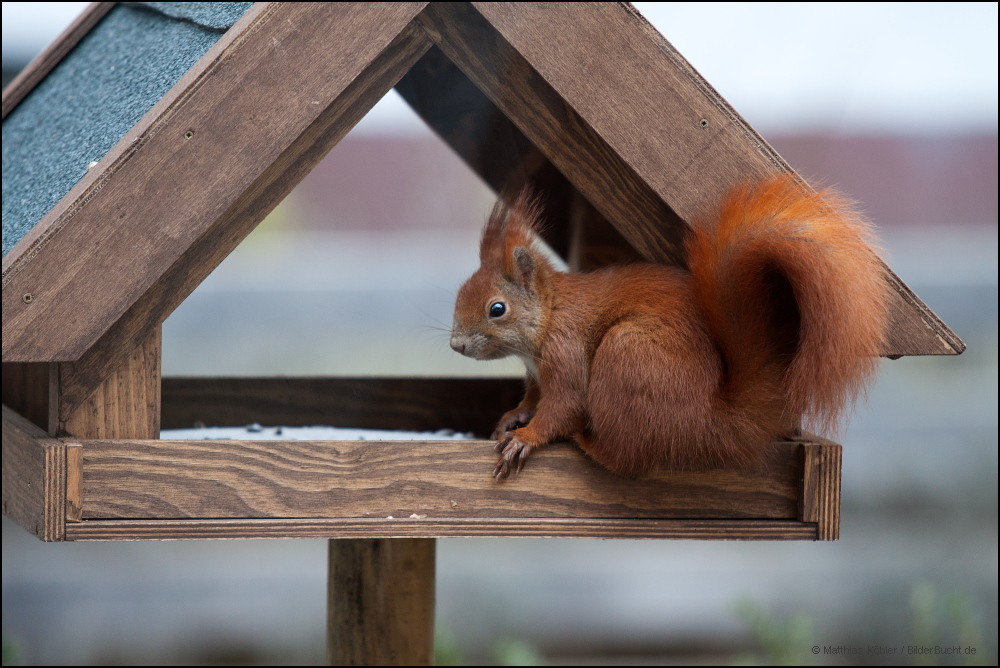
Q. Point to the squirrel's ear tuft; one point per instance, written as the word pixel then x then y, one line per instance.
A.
pixel 524 267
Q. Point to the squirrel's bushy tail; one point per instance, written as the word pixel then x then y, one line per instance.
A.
pixel 795 297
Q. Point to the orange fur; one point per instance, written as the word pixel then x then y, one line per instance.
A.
pixel 782 313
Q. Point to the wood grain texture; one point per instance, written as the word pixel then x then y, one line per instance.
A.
pixel 124 404
pixel 566 139
pixel 494 148
pixel 74 482
pixel 468 122
pixel 53 54
pixel 688 529
pixel 26 390
pixel 612 104
pixel 486 140
pixel 822 462
pixel 435 479
pixel 380 602
pixel 594 242
pixel 34 478
pixel 910 335
pixel 263 106
pixel 413 404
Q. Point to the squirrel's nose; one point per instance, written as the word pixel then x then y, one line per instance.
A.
pixel 458 345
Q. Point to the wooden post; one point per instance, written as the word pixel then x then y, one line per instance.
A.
pixel 26 390
pixel 125 403
pixel 380 602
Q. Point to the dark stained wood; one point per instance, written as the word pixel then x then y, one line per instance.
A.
pixel 434 479
pixel 125 403
pixel 74 482
pixel 26 390
pixel 908 335
pixel 822 463
pixel 493 147
pixel 238 101
pixel 414 404
pixel 687 529
pixel 380 602
pixel 43 63
pixel 34 478
pixel 468 121
pixel 641 96
pixel 594 242
pixel 554 127
pixel 614 106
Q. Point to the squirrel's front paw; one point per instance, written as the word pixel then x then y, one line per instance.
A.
pixel 510 421
pixel 513 452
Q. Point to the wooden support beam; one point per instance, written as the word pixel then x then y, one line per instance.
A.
pixel 821 488
pixel 380 602
pixel 495 149
pixel 412 404
pixel 485 139
pixel 26 390
pixel 565 138
pixel 593 241
pixel 125 402
pixel 34 477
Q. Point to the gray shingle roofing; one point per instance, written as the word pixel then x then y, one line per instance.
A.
pixel 95 95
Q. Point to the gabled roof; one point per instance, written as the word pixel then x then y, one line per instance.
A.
pixel 586 99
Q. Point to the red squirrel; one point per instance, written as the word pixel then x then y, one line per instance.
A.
pixel 781 312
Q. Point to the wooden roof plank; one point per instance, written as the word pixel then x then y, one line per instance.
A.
pixel 487 141
pixel 468 121
pixel 139 244
pixel 553 126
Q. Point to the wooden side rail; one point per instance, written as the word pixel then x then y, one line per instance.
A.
pixel 214 479
pixel 149 489
pixel 35 477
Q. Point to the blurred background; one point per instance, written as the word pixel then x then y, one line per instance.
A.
pixel 355 274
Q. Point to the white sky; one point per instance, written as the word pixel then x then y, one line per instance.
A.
pixel 849 68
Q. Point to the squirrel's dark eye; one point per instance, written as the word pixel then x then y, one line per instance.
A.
pixel 497 309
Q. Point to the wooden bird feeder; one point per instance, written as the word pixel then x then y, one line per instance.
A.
pixel 588 102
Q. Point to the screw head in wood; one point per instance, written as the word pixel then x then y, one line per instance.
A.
pixel 27 298
pixel 189 134
pixel 704 122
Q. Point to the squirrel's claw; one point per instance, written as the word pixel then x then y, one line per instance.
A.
pixel 514 452
pixel 502 442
